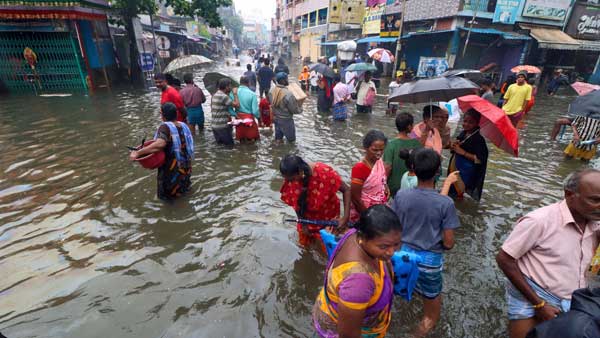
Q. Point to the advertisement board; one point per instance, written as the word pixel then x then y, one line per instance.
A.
pixel 372 20
pixel 431 66
pixel 506 11
pixel 390 25
pixel 547 9
pixel 584 22
pixel 347 12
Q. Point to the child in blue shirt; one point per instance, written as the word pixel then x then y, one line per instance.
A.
pixel 428 219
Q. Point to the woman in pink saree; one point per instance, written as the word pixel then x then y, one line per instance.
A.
pixel 369 180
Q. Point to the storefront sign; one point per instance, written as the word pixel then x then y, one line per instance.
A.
pixel 547 9
pixel 347 12
pixel 372 20
pixel 390 25
pixel 506 11
pixel 431 66
pixel 147 62
pixel 585 22
pixel 164 54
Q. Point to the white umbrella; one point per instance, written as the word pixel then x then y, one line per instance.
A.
pixel 186 61
pixel 381 55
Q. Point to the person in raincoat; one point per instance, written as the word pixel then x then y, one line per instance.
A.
pixel 304 78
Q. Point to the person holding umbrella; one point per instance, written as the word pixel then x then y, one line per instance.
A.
pixel 469 157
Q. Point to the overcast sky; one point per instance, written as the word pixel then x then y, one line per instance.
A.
pixel 262 10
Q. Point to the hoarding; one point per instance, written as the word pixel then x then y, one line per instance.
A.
pixel 547 9
pixel 506 11
pixel 372 20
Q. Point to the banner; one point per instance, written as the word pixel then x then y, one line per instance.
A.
pixel 347 11
pixel 506 11
pixel 431 66
pixel 585 22
pixel 372 20
pixel 390 25
pixel 547 9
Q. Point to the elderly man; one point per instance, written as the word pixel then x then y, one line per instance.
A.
pixel 248 110
pixel 546 255
pixel 284 105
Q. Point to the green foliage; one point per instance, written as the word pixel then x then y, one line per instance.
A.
pixel 206 9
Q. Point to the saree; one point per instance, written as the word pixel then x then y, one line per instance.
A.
pixel 322 201
pixel 244 132
pixel 173 179
pixel 339 287
pixel 472 174
pixel 588 129
pixel 373 190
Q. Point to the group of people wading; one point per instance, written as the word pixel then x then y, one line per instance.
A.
pixel 391 202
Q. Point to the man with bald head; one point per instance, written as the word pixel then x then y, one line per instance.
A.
pixel 547 253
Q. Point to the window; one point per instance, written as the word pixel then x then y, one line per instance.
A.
pixel 312 19
pixel 322 16
pixel 305 21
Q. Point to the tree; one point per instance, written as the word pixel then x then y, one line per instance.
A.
pixel 130 9
pixel 236 25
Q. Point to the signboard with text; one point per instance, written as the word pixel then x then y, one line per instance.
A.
pixel 372 20
pixel 585 22
pixel 547 9
pixel 431 66
pixel 506 11
pixel 390 25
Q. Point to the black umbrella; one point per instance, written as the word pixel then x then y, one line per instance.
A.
pixel 323 69
pixel 587 105
pixel 471 74
pixel 435 89
pixel 211 81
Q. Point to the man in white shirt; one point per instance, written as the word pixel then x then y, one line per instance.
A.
pixel 365 96
pixel 393 106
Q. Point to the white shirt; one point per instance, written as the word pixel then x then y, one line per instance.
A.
pixel 362 92
pixel 314 78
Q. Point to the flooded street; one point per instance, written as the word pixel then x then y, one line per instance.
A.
pixel 87 250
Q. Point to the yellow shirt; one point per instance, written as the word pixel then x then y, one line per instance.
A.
pixel 515 98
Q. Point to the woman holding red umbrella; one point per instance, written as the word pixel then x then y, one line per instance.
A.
pixel 469 157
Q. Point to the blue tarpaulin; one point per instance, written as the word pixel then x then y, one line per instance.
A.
pixel 411 34
pixel 376 39
pixel 505 35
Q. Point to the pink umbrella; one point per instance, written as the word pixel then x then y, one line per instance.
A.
pixel 494 124
pixel 583 88
pixel 527 68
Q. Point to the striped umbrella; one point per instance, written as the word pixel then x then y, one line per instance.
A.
pixel 527 68
pixel 381 55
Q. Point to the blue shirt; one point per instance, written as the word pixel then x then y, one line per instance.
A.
pixel 265 76
pixel 248 101
pixel 424 215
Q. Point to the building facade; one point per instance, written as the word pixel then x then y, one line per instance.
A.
pixel 55 46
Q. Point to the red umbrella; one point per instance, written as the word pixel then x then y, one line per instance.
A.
pixel 494 124
pixel 583 88
pixel 528 69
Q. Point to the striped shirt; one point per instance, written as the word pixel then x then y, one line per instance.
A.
pixel 219 107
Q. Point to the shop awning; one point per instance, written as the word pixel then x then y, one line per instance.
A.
pixel 589 45
pixel 376 39
pixel 493 31
pixel 549 38
pixel 412 34
pixel 329 43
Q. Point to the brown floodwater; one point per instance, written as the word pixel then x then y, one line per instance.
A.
pixel 87 250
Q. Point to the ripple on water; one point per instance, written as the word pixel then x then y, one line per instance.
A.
pixel 86 248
